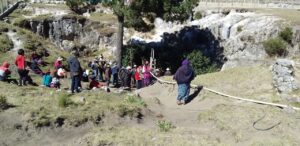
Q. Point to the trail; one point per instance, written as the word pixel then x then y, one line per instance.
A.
pixel 16 40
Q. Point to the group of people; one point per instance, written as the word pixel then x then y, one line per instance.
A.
pixel 136 76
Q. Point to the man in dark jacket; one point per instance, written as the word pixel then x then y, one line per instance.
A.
pixel 75 70
pixel 184 75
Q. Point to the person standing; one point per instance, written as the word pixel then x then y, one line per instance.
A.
pixel 75 70
pixel 20 62
pixel 107 74
pixel 146 74
pixel 115 71
pixel 183 76
pixel 138 77
pixel 168 72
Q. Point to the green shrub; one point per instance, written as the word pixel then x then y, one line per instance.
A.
pixel 5 43
pixel 164 126
pixel 3 102
pixel 275 47
pixel 198 15
pixel 287 35
pixel 239 28
pixel 135 100
pixel 64 100
pixel 201 64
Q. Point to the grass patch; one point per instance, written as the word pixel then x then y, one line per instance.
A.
pixel 103 18
pixel 135 100
pixel 45 106
pixel 165 126
pixel 64 100
pixel 3 103
pixel 5 43
pixel 287 35
pixel 198 15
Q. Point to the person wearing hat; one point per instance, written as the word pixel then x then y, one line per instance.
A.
pixel 183 76
pixel 75 71
pixel 4 71
pixel 168 72
pixel 58 63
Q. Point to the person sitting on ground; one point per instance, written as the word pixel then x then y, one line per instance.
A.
pixel 4 72
pixel 28 79
pixel 94 84
pixel 47 79
pixel 138 75
pixel 35 68
pixel 168 72
pixel 183 76
pixel 61 73
pixel 55 83
pixel 85 75
pixel 35 57
pixel 58 63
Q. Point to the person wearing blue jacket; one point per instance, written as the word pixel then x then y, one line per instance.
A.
pixel 75 71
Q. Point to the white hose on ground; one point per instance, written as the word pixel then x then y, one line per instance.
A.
pixel 230 96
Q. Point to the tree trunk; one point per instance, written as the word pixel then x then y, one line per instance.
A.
pixel 118 53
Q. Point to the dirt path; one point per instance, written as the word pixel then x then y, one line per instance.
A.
pixel 16 40
pixel 162 101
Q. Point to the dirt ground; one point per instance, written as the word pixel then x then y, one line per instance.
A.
pixel 208 119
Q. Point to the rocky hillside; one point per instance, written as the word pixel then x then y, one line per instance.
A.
pixel 238 34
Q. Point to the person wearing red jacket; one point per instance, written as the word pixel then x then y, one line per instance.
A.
pixel 138 76
pixel 4 72
pixel 20 62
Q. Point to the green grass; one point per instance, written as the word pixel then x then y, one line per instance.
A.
pixel 291 15
pixel 144 137
pixel 44 105
pixel 3 102
pixel 164 126
pixel 104 18
pixel 50 6
pixel 5 43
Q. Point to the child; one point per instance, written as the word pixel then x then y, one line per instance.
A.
pixel 55 81
pixel 138 77
pixel 21 64
pixel 4 72
pixel 47 79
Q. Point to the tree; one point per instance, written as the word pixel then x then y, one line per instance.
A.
pixel 140 15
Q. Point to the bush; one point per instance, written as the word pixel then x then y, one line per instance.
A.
pixel 135 100
pixel 200 63
pixel 275 47
pixel 3 102
pixel 164 126
pixel 5 43
pixel 198 15
pixel 64 100
pixel 287 35
pixel 239 28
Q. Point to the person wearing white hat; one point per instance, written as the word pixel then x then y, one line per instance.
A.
pixel 168 72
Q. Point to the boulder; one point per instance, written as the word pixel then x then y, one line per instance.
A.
pixel 283 76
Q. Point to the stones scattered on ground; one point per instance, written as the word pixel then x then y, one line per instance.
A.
pixel 283 76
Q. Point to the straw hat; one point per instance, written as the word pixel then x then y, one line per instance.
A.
pixel 168 69
pixel 59 59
